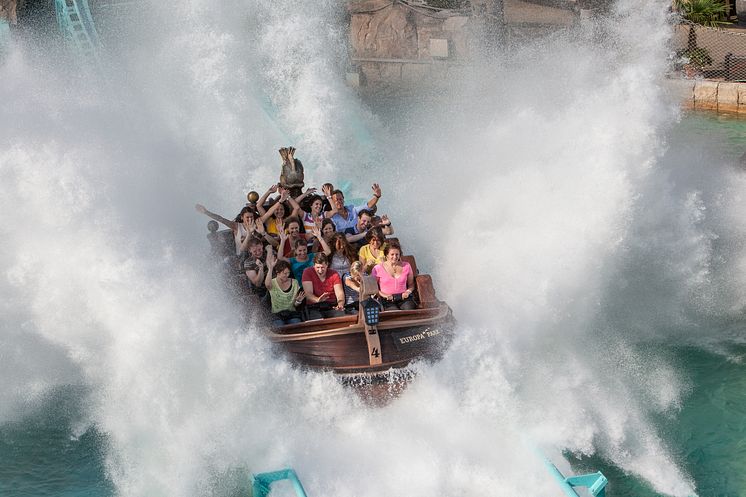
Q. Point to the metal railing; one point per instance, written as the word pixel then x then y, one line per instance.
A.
pixel 262 483
pixel 77 27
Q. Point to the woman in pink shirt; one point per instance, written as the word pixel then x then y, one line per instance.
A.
pixel 395 280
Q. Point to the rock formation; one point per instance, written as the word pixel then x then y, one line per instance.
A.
pixel 8 11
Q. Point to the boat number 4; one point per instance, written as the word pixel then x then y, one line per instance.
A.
pixel 375 353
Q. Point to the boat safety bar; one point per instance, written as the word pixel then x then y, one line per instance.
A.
pixel 263 481
pixel 594 482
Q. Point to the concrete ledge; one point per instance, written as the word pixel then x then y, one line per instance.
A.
pixel 706 95
pixel 727 97
pixel 720 96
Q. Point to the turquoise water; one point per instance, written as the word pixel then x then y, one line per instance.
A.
pixel 726 130
pixel 708 434
pixel 711 428
pixel 42 456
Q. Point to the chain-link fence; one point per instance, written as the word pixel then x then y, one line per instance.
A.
pixel 711 53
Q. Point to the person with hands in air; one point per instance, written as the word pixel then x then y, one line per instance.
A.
pixel 346 216
pixel 327 231
pixel 239 226
pixel 291 229
pixel 255 230
pixel 276 212
pixel 384 223
pixel 315 214
pixel 301 258
pixel 325 296
pixel 284 292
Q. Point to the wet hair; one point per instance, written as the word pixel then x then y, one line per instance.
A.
pixel 356 268
pixel 328 221
pixel 376 220
pixel 392 245
pixel 338 192
pixel 375 233
pixel 347 251
pixel 321 258
pixel 254 242
pixel 292 220
pixel 239 218
pixel 364 211
pixel 269 205
pixel 281 266
pixel 307 203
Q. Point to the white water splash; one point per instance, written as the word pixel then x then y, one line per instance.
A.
pixel 543 188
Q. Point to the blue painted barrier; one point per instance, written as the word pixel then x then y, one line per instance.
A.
pixel 594 482
pixel 262 482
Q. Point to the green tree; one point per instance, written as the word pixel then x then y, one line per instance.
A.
pixel 703 12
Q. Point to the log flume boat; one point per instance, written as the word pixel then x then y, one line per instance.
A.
pixel 369 342
pixel 359 344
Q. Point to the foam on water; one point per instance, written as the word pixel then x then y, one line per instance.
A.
pixel 557 216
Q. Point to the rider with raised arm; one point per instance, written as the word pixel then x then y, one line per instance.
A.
pixel 316 213
pixel 240 226
pixel 276 212
pixel 346 216
pixel 301 258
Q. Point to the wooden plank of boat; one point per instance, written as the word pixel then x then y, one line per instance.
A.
pixel 345 350
pixel 389 320
pixel 369 314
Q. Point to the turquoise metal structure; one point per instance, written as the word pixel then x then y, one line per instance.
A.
pixel 595 483
pixel 4 35
pixel 263 481
pixel 76 25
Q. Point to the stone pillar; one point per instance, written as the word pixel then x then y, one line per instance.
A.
pixel 8 10
pixel 741 12
pixel 491 14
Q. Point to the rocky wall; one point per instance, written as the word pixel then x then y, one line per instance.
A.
pixel 8 11
pixel 394 42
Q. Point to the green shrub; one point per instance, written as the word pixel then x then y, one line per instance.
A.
pixel 699 56
pixel 705 12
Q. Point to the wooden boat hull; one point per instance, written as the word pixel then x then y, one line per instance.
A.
pixel 339 344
